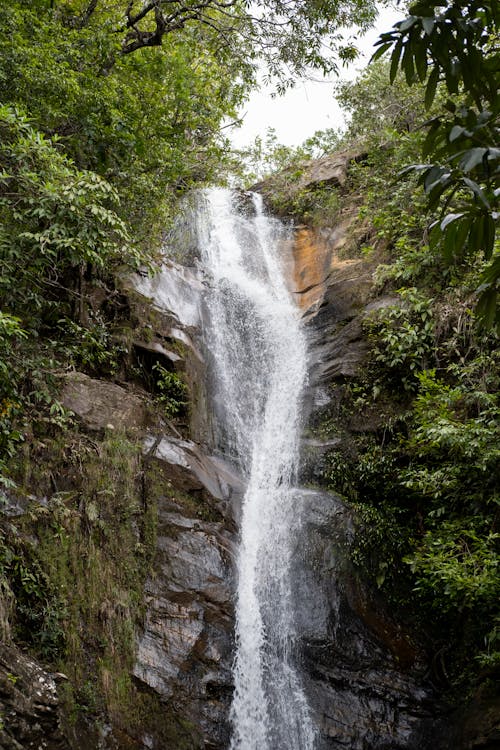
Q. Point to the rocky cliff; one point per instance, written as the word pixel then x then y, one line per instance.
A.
pixel 140 543
pixel 153 669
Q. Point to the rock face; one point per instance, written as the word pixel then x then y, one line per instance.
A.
pixel 185 651
pixel 478 727
pixel 329 170
pixel 29 706
pixel 365 678
pixel 103 405
pixel 171 304
pixel 185 647
pixel 363 675
pixel 192 470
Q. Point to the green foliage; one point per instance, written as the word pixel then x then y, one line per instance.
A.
pixel 315 207
pixel 148 123
pixel 40 610
pixel 77 561
pixel 288 37
pixel 385 133
pixel 455 442
pixel 379 547
pixel 424 482
pixel 377 108
pixel 95 147
pixel 267 156
pixel 403 337
pixel 91 347
pixel 457 566
pixel 368 479
pixel 11 334
pixel 434 35
pixel 56 220
pixel 54 216
pixel 172 391
pixel 455 43
pixel 65 572
pixel 424 488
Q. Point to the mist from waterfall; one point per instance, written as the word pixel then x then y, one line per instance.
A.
pixel 258 350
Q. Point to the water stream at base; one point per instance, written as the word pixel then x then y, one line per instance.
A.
pixel 258 351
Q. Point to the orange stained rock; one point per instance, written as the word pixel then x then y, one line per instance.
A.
pixel 316 264
pixel 312 266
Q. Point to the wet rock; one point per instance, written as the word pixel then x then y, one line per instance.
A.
pixel 339 351
pixel 185 650
pixel 167 312
pixel 191 470
pixel 477 727
pixel 14 503
pixel 156 347
pixel 174 289
pixel 322 277
pixel 29 706
pixel 334 294
pixel 364 677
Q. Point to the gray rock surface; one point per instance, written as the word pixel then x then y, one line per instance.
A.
pixel 29 705
pixel 175 290
pixel 328 170
pixel 185 650
pixel 365 678
pixel 101 405
pixel 168 310
pixel 192 470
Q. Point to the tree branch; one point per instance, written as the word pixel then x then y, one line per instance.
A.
pixel 175 20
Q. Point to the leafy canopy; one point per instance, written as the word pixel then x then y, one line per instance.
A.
pixel 288 36
pixel 455 44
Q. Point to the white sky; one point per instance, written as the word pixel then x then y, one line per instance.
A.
pixel 310 105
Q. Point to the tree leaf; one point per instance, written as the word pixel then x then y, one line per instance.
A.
pixel 408 64
pixel 395 60
pixel 421 60
pixel 430 89
pixel 407 23
pixel 476 190
pixel 449 219
pixel 489 236
pixel 428 24
pixel 456 132
pixel 472 158
pixel 380 51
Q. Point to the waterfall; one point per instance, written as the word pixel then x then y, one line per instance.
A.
pixel 258 351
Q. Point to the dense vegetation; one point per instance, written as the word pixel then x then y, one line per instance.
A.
pixel 95 147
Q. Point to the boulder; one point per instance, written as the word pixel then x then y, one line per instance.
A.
pixel 328 170
pixel 101 404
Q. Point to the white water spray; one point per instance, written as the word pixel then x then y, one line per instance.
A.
pixel 259 354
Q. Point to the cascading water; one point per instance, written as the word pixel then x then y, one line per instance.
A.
pixel 259 354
